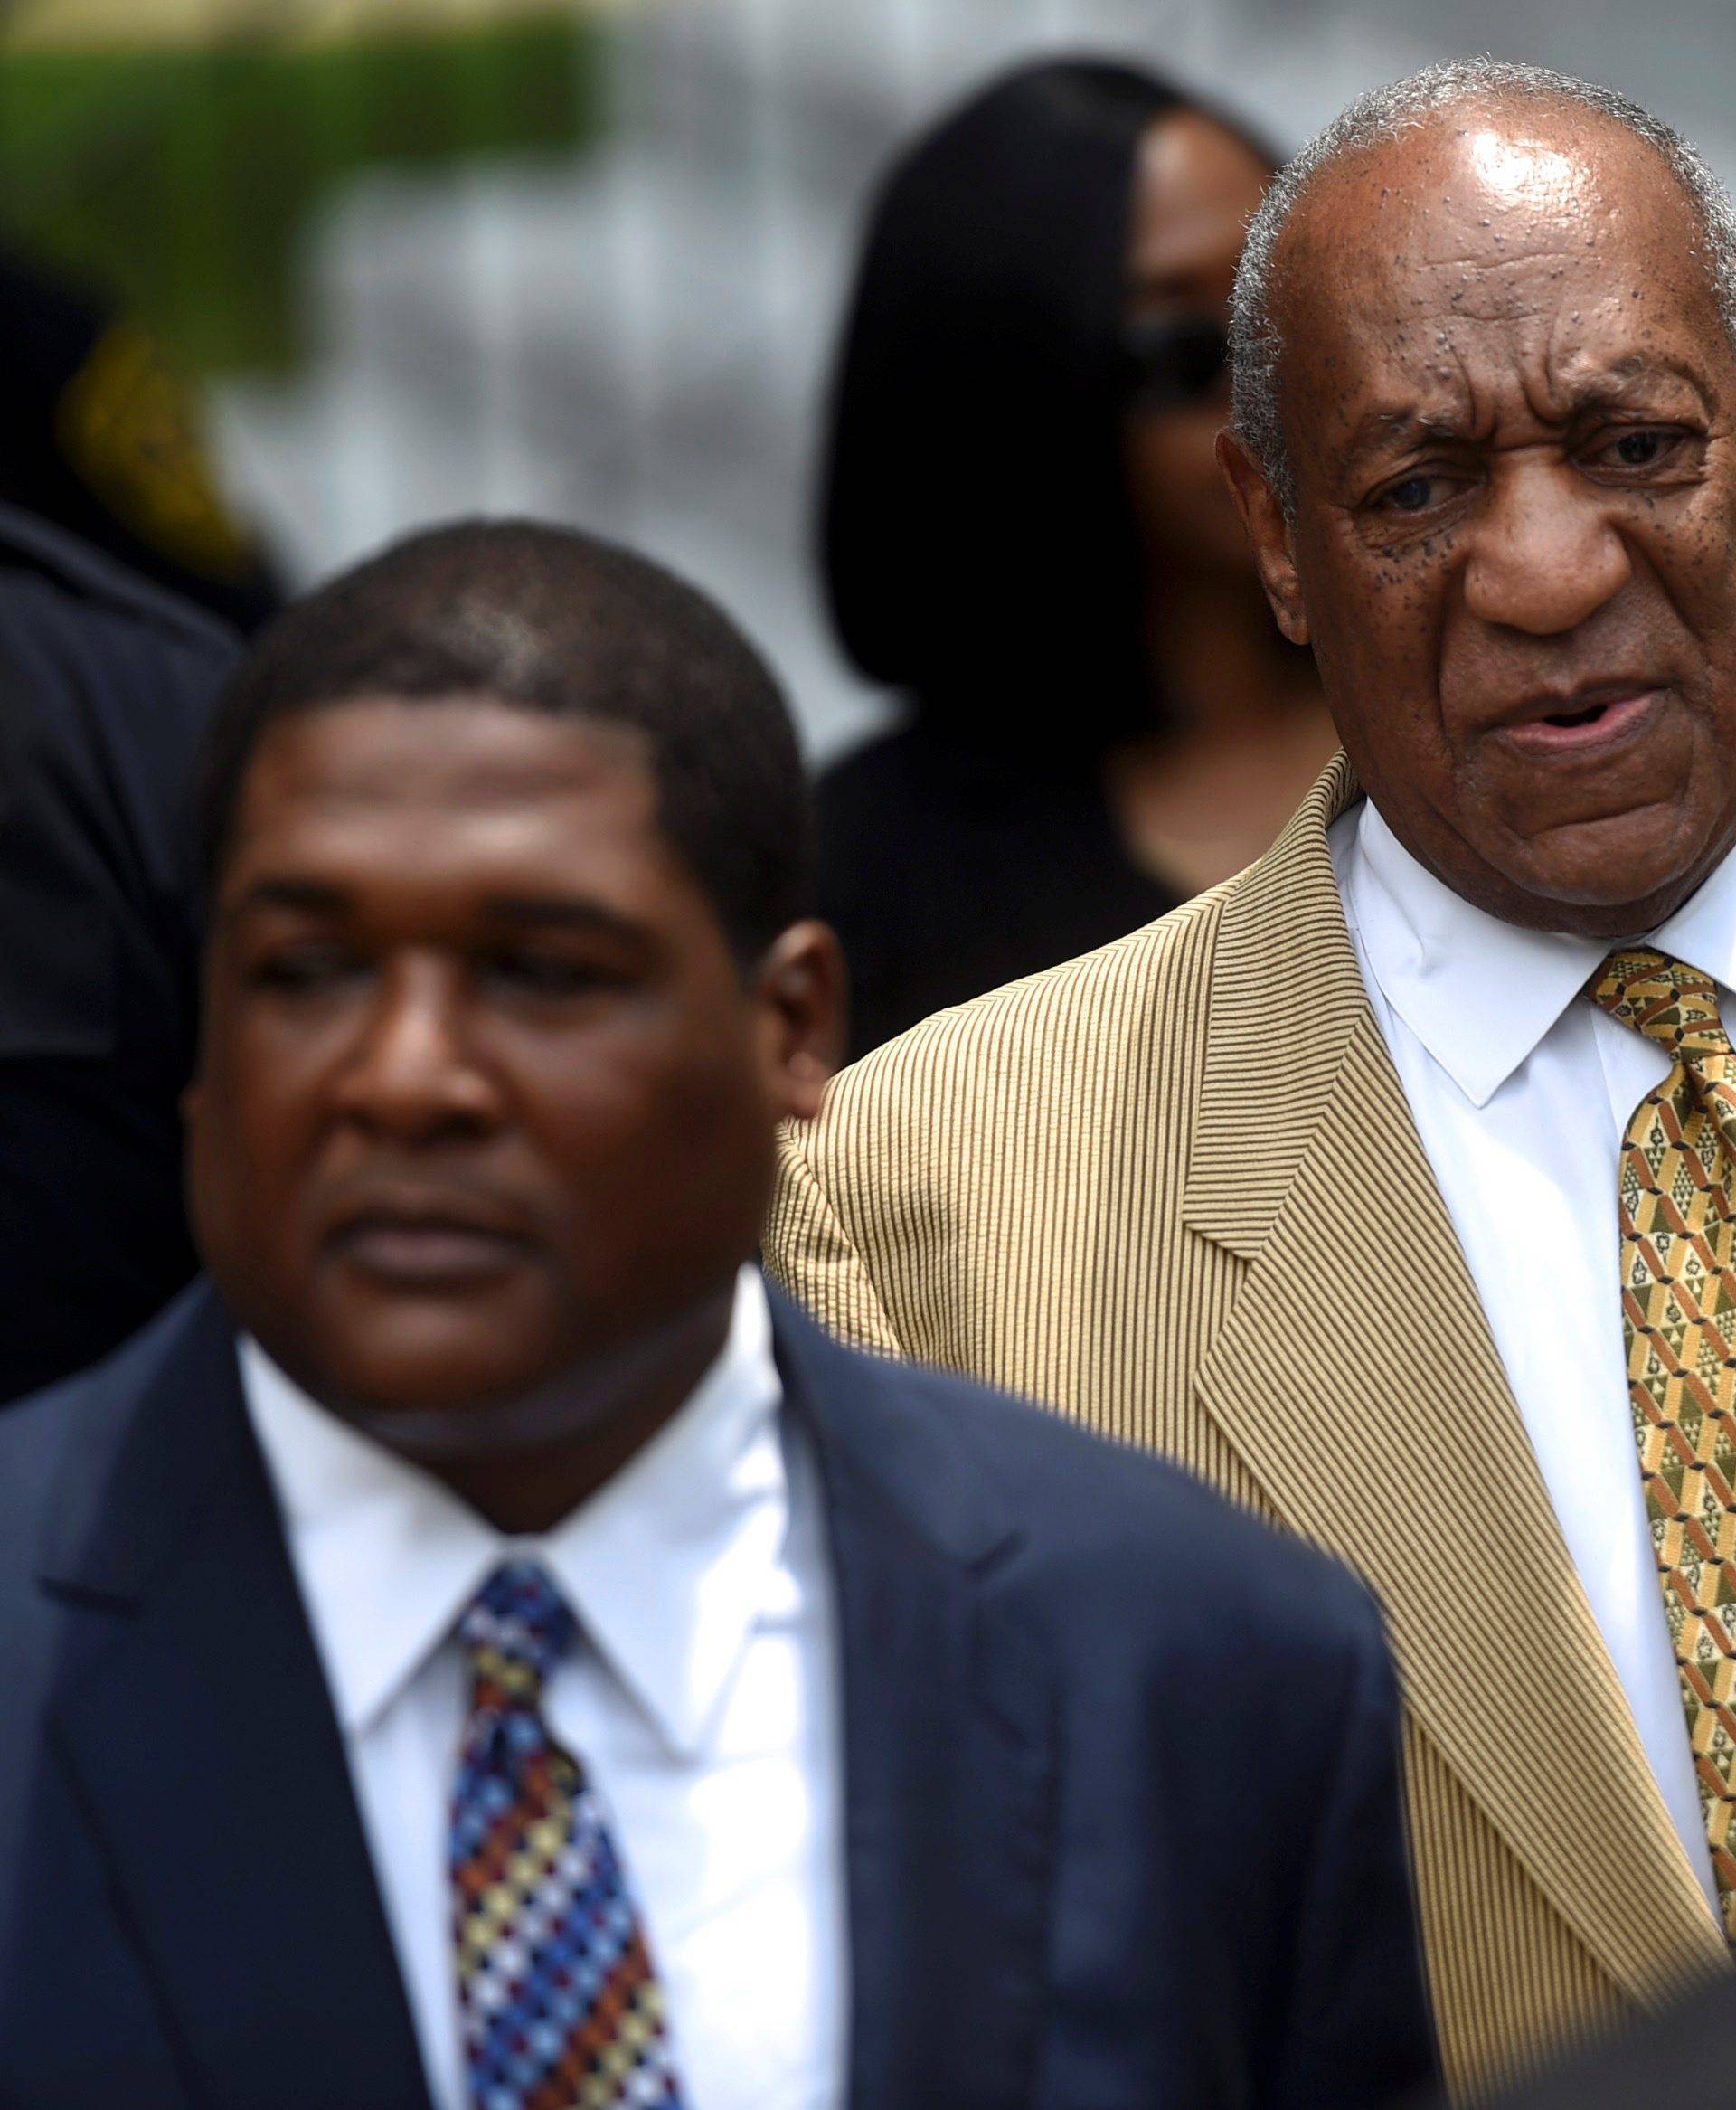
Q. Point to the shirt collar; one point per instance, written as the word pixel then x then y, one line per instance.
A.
pixel 1703 932
pixel 1480 994
pixel 668 1566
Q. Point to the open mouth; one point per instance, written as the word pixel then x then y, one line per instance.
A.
pixel 1589 716
pixel 1599 721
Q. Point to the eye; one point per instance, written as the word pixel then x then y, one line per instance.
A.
pixel 544 974
pixel 1418 492
pixel 313 965
pixel 1640 447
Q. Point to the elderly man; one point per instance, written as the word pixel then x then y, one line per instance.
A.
pixel 1391 1184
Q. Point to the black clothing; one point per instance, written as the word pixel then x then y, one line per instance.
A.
pixel 947 871
pixel 99 434
pixel 980 549
pixel 1121 1769
pixel 105 685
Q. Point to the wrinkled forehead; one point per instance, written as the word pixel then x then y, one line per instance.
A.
pixel 1529 232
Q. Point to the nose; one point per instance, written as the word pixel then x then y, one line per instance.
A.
pixel 411 1074
pixel 1544 556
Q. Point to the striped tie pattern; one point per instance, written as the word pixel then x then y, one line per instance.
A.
pixel 1677 1198
pixel 559 2006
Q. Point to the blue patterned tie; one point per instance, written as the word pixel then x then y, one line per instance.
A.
pixel 560 2006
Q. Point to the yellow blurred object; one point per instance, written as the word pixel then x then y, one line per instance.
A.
pixel 129 428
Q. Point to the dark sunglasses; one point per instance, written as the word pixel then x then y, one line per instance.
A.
pixel 1174 363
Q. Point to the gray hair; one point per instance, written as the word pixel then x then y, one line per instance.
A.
pixel 1256 343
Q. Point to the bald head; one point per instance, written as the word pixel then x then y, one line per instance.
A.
pixel 1525 148
pixel 1500 501
pixel 1480 235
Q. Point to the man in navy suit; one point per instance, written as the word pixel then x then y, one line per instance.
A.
pixel 479 1646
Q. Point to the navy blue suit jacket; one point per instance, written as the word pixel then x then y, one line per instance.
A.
pixel 1122 1825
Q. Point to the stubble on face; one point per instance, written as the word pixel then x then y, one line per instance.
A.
pixel 1508 398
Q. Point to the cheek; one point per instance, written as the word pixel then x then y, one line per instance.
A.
pixel 1692 552
pixel 262 1087
pixel 248 1120
pixel 646 1145
pixel 1377 613
pixel 657 1184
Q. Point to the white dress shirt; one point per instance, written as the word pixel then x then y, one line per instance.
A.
pixel 1523 1089
pixel 703 1700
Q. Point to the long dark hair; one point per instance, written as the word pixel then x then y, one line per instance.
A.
pixel 977 534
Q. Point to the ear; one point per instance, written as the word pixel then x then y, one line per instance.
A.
pixel 1269 533
pixel 803 989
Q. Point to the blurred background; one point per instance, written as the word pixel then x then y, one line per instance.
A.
pixel 430 256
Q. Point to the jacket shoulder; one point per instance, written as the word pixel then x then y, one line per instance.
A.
pixel 41 563
pixel 957 1181
pixel 102 668
pixel 995 1108
pixel 1118 1016
pixel 1081 1031
pixel 1123 985
pixel 80 1417
pixel 930 1156
pixel 109 685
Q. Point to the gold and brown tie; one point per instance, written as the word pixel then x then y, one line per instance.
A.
pixel 1677 1187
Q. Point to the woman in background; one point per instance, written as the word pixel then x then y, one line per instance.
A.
pixel 1025 532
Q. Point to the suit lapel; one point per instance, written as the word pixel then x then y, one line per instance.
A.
pixel 1358 1380
pixel 193 1715
pixel 950 1772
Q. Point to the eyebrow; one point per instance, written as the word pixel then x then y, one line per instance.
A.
pixel 310 895
pixel 1396 427
pixel 548 912
pixel 527 912
pixel 1610 386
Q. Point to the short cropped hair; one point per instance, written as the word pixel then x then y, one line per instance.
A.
pixel 1255 342
pixel 546 618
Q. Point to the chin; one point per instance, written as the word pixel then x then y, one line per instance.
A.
pixel 1614 878
pixel 433 1358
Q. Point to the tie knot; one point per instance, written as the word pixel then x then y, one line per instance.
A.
pixel 1667 1000
pixel 518 1628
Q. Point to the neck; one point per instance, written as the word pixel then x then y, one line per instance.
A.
pixel 540 1457
pixel 1218 658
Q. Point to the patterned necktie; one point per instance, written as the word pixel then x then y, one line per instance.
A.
pixel 559 2006
pixel 1677 1188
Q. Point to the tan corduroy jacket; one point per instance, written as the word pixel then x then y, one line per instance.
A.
pixel 1173 1190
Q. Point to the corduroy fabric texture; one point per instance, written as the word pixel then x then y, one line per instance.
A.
pixel 1174 1190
